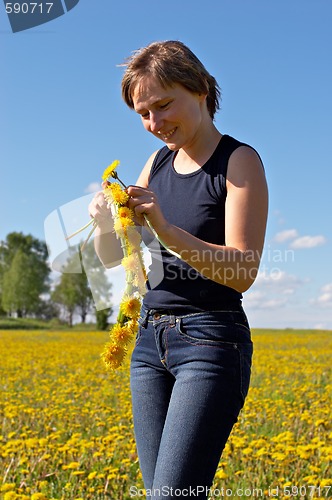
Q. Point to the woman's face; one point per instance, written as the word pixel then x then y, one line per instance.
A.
pixel 173 114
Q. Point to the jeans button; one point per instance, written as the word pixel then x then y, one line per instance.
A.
pixel 156 316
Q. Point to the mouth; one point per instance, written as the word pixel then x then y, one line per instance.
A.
pixel 167 135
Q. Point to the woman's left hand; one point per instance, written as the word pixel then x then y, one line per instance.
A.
pixel 144 202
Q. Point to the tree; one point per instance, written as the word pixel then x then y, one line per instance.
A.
pixel 24 273
pixel 65 294
pixel 23 284
pixel 102 318
pixel 28 244
pixel 73 291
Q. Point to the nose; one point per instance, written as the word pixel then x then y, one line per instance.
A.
pixel 155 122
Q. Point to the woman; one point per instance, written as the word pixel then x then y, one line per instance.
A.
pixel 205 195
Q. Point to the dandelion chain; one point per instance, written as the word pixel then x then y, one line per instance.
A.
pixel 126 325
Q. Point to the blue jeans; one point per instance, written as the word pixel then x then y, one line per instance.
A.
pixel 189 379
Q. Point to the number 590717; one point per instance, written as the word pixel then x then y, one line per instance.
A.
pixel 28 8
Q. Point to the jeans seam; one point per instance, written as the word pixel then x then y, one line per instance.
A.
pixel 207 342
pixel 244 326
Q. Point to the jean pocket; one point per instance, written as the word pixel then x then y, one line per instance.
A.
pixel 212 330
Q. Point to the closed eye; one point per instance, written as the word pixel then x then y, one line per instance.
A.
pixel 145 114
pixel 164 106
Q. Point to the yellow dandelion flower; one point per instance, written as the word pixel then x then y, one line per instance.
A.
pixel 109 171
pixel 113 355
pixel 325 483
pixel 121 224
pixel 38 496
pixel 11 495
pixel 121 334
pixel 115 192
pixel 126 222
pixel 72 465
pixel 92 475
pixel 278 456
pixel 7 487
pixel 220 474
pixel 130 262
pixel 130 307
pixel 125 212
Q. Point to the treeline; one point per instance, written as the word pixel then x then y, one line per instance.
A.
pixel 29 290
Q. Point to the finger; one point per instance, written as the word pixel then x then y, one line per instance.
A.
pixel 136 191
pixel 143 209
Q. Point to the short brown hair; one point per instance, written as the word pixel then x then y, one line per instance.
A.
pixel 170 62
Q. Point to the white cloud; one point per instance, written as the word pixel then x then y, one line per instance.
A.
pixel 299 241
pixel 325 297
pixel 272 290
pixel 327 288
pixel 308 242
pixel 279 279
pixel 93 187
pixel 287 234
pixel 258 300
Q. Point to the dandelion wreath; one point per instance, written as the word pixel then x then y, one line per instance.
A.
pixel 127 321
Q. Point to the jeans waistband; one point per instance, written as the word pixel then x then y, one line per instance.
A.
pixel 153 315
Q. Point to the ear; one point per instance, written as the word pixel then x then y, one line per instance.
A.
pixel 202 97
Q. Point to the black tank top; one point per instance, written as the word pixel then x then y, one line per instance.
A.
pixel 194 202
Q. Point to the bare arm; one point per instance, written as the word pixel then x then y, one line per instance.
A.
pixel 143 179
pixel 107 246
pixel 236 263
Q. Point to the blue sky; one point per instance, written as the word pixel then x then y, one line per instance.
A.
pixel 62 121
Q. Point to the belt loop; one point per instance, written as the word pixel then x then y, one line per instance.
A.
pixel 144 318
pixel 171 320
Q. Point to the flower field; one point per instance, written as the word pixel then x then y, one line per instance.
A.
pixel 66 429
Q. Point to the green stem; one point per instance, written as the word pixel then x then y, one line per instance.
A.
pixel 81 229
pixel 160 240
pixel 88 237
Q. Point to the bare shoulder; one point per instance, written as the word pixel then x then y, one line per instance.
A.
pixel 246 202
pixel 143 179
pixel 244 166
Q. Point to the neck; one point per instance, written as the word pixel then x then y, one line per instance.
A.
pixel 194 156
